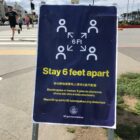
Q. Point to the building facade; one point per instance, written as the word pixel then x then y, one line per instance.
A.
pixel 18 8
pixel 3 8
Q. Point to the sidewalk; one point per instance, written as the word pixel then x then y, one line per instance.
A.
pixel 127 64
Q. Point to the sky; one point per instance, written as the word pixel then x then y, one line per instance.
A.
pixel 121 4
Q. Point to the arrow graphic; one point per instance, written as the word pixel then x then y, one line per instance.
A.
pixel 69 48
pixel 83 35
pixel 70 34
pixel 83 48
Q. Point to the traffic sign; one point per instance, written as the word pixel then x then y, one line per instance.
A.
pixel 76 66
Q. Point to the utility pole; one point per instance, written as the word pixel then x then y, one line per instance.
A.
pixel 93 2
pixel 32 8
pixel 138 14
pixel 127 10
pixel 132 9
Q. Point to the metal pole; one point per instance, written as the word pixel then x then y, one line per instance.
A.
pixel 110 134
pixel 32 16
pixel 127 9
pixel 132 9
pixel 35 131
pixel 93 2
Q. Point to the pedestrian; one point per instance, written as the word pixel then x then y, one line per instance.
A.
pixel 27 21
pixel 12 17
pixel 2 20
pixel 31 21
pixel 20 22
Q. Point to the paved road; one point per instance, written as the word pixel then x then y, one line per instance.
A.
pixel 129 43
pixel 17 82
pixel 7 27
pixel 17 71
pixel 4 28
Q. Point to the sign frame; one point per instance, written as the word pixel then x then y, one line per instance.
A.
pixel 114 126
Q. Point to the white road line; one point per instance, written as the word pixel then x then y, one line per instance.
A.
pixel 25 34
pixel 19 39
pixel 18 43
pixel 1 78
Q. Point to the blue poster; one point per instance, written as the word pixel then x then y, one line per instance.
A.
pixel 76 66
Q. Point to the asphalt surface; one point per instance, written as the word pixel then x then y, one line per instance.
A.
pixel 4 28
pixel 17 86
pixel 17 71
pixel 133 52
pixel 129 43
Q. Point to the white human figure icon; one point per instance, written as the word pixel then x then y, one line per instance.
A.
pixel 62 23
pixel 93 24
pixel 92 51
pixel 61 52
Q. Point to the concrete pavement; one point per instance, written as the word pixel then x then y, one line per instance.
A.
pixel 127 64
pixel 129 38
pixel 17 74
pixel 129 51
pixel 4 28
pixel 17 70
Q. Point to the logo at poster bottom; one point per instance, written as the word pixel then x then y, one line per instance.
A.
pixel 73 110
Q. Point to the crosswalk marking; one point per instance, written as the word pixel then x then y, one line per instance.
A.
pixel 3 37
pixel 24 43
pixel 18 43
pixel 19 40
pixel 18 52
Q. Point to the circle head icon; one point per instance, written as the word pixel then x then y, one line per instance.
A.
pixel 62 22
pixel 93 22
pixel 92 49
pixel 61 49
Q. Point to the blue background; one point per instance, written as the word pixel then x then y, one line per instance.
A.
pixel 77 21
